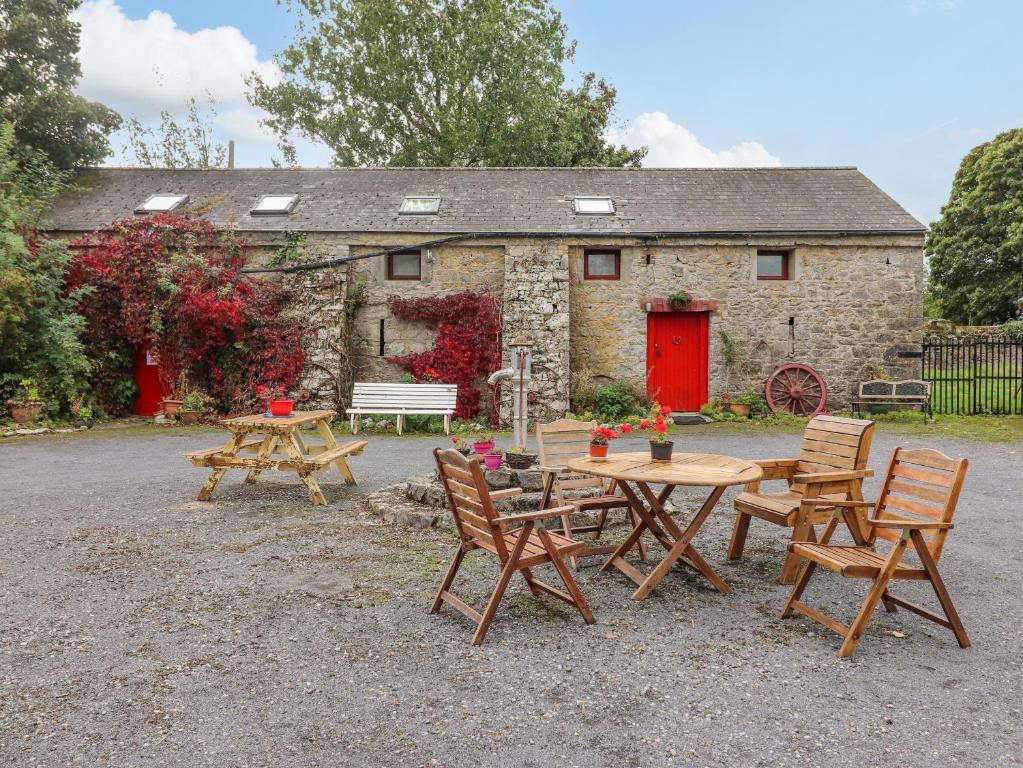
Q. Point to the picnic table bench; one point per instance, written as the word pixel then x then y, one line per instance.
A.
pixel 402 400
pixel 881 392
pixel 279 447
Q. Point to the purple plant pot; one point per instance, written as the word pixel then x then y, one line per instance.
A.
pixel 492 460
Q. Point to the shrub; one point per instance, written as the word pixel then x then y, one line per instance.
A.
pixel 620 400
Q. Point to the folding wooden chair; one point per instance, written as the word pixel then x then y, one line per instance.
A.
pixel 562 440
pixel 519 549
pixel 832 464
pixel 914 510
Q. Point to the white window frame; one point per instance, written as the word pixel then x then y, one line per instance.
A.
pixel 147 206
pixel 288 207
pixel 580 204
pixel 408 199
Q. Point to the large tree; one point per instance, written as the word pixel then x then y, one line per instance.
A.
pixel 38 73
pixel 976 247
pixel 438 82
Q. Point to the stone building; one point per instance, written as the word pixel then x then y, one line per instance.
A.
pixel 809 265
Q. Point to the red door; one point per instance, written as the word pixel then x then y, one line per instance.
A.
pixel 151 389
pixel 676 359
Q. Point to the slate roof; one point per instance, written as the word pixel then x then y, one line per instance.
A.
pixel 683 201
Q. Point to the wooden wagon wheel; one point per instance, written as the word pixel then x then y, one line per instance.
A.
pixel 796 389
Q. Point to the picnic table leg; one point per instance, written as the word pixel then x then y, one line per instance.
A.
pixel 265 449
pixel 291 445
pixel 341 463
pixel 218 474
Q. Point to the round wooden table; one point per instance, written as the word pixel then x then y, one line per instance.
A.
pixel 694 469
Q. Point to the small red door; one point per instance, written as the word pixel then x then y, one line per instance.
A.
pixel 151 389
pixel 676 359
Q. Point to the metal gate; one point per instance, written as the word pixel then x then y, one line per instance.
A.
pixel 974 374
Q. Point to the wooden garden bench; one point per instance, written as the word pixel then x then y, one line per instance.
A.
pixel 402 400
pixel 832 464
pixel 520 548
pixel 913 510
pixel 881 392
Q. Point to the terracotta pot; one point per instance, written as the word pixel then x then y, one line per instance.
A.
pixel 492 460
pixel 661 452
pixel 25 411
pixel 482 448
pixel 598 451
pixel 281 407
pixel 190 417
pixel 739 409
pixel 171 407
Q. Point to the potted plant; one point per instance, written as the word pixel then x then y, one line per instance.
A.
pixel 172 403
pixel 277 405
pixel 461 445
pixel 192 407
pixel 517 458
pixel 656 422
pixel 492 458
pixel 600 436
pixel 679 300
pixel 483 444
pixel 27 403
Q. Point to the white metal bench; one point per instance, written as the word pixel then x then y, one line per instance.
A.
pixel 402 400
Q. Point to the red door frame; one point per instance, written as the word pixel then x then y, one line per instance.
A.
pixel 677 358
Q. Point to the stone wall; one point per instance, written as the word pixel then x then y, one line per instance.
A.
pixel 857 303
pixel 536 305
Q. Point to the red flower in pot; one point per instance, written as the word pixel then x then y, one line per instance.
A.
pixel 660 446
pixel 600 436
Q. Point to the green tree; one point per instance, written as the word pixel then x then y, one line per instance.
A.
pixel 38 73
pixel 188 144
pixel 39 332
pixel 440 83
pixel 976 247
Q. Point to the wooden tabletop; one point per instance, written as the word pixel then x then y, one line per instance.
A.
pixel 296 419
pixel 698 469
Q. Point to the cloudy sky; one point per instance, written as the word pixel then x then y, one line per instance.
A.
pixel 900 88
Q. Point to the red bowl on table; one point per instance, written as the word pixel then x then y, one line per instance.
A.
pixel 281 407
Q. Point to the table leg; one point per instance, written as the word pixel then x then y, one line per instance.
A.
pixel 341 463
pixel 266 448
pixel 218 474
pixel 292 446
pixel 645 523
pixel 682 547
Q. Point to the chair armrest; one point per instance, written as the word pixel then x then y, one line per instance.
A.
pixel 837 503
pixel 833 477
pixel 918 525
pixel 505 494
pixel 765 463
pixel 540 514
pixel 555 470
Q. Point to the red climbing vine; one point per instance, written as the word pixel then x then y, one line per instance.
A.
pixel 468 344
pixel 173 285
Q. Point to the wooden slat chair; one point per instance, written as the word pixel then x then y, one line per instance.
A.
pixel 832 464
pixel 914 510
pixel 558 442
pixel 519 549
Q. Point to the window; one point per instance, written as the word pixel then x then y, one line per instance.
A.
pixel 420 205
pixel 404 265
pixel 594 205
pixel 271 205
pixel 162 203
pixel 602 264
pixel 773 265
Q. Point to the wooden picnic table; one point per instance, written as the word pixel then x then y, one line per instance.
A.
pixel 692 469
pixel 278 446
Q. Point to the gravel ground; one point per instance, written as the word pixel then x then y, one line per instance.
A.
pixel 141 628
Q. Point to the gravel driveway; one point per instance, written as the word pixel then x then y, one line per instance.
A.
pixel 141 628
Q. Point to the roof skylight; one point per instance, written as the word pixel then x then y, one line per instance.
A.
pixel 275 205
pixel 162 203
pixel 420 205
pixel 594 205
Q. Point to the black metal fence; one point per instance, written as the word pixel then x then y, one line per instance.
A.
pixel 974 374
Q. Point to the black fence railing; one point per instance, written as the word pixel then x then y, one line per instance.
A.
pixel 974 374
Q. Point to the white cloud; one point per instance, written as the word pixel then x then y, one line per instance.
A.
pixel 145 65
pixel 675 146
